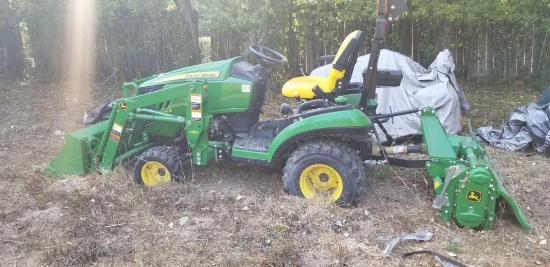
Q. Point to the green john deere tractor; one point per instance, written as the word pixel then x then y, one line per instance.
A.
pixel 211 112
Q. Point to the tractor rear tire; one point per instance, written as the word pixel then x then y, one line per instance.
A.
pixel 158 164
pixel 325 166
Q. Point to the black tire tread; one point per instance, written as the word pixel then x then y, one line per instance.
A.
pixel 336 149
pixel 165 155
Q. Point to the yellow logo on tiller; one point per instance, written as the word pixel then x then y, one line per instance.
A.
pixel 473 196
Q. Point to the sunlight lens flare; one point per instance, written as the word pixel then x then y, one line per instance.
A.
pixel 79 59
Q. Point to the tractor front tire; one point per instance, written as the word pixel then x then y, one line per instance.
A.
pixel 157 165
pixel 325 167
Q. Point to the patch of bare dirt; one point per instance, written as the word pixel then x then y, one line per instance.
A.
pixel 233 214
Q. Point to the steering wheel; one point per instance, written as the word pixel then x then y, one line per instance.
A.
pixel 268 57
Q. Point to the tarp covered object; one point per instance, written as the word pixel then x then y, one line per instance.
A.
pixel 99 113
pixel 526 124
pixel 435 87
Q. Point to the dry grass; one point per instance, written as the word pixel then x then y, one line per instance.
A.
pixel 107 220
pixel 491 105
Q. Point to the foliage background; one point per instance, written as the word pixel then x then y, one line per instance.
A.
pixel 492 40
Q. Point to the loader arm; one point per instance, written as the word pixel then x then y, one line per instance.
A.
pixel 129 131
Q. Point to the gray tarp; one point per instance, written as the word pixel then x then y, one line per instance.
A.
pixel 435 87
pixel 100 113
pixel 526 124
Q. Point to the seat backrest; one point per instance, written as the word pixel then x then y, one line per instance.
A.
pixel 344 62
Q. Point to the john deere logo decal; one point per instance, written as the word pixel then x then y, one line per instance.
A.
pixel 473 196
pixel 123 105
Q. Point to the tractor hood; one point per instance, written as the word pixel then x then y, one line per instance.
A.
pixel 218 70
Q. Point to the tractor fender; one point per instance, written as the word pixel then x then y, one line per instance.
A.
pixel 350 124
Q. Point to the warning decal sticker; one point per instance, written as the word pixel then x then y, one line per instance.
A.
pixel 196 116
pixel 116 132
pixel 196 113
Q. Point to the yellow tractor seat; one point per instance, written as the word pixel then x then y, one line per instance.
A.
pixel 344 61
pixel 301 86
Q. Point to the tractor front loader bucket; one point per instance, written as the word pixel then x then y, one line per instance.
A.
pixel 128 132
pixel 79 151
pixel 467 184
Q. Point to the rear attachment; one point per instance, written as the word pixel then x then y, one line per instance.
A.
pixel 467 184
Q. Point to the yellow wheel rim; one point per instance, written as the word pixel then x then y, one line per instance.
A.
pixel 321 179
pixel 154 172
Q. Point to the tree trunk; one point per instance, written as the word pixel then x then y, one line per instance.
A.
pixel 312 51
pixel 11 46
pixel 443 36
pixel 46 26
pixel 292 41
pixel 214 45
pixel 191 17
pixel 405 36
